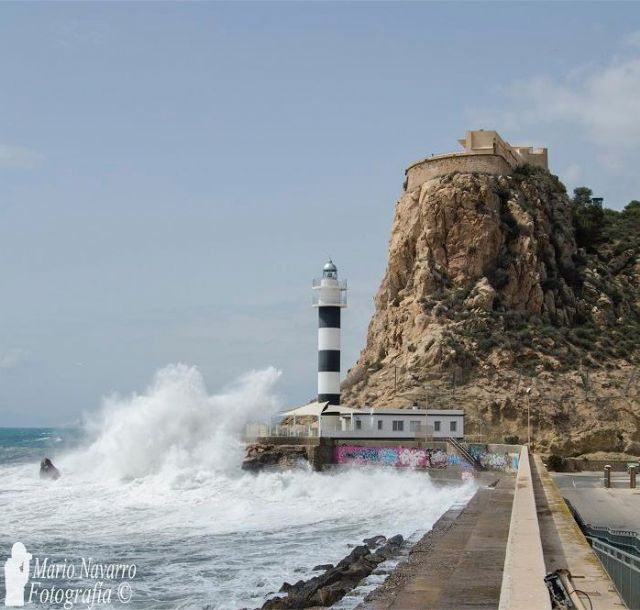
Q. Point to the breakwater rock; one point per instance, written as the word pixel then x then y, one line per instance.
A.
pixel 259 456
pixel 335 582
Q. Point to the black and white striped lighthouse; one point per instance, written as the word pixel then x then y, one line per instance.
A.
pixel 329 296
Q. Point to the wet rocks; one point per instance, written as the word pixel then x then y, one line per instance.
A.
pixel 48 470
pixel 335 582
pixel 261 455
pixel 375 541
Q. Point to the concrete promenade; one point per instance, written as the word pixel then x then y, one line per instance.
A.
pixel 495 552
pixel 458 565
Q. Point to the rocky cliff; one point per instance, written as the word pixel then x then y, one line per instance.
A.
pixel 491 303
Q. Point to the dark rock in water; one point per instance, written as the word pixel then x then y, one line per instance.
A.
pixel 323 567
pixel 331 594
pixel 375 541
pixel 358 570
pixel 357 553
pixel 259 456
pixel 335 582
pixel 397 540
pixel 373 558
pixel 48 470
pixel 277 603
pixel 391 547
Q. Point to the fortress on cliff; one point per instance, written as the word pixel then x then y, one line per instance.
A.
pixel 484 152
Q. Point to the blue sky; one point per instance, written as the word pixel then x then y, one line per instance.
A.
pixel 173 175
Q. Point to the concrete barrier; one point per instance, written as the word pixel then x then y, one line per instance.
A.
pixel 523 586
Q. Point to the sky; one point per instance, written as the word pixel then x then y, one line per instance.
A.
pixel 173 175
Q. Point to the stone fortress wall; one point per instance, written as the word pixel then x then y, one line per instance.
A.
pixel 484 152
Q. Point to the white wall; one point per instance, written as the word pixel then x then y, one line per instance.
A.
pixel 423 427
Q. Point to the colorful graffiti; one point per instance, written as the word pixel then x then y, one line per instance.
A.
pixel 409 457
pixel 401 457
pixel 495 460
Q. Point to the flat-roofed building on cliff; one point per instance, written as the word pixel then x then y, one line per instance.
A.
pixel 485 152
pixel 483 142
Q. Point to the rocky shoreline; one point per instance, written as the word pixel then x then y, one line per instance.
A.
pixel 264 455
pixel 336 581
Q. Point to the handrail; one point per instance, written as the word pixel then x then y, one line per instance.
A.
pixel 632 561
pixel 473 460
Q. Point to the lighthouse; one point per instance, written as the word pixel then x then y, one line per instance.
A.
pixel 329 296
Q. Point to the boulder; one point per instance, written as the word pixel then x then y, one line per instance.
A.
pixel 48 470
pixel 375 541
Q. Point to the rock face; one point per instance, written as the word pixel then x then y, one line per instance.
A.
pixel 260 456
pixel 486 294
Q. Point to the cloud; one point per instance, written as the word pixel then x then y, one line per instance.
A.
pixel 13 359
pixel 600 101
pixel 632 39
pixel 18 157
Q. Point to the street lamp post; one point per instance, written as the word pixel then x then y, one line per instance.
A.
pixel 395 378
pixel 528 393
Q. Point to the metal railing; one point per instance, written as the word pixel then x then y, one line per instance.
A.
pixel 317 283
pixel 622 567
pixel 253 431
pixel 465 453
pixel 628 540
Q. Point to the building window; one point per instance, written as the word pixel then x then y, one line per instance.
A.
pixel 453 426
pixel 398 425
pixel 414 426
pixel 358 424
pixel 436 426
pixel 379 424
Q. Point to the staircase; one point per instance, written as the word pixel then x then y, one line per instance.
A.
pixel 464 453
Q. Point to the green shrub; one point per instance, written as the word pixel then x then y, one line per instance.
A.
pixel 556 463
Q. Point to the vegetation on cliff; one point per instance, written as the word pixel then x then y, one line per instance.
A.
pixel 504 294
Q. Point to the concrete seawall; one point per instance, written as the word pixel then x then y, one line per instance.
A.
pixel 496 551
pixel 523 585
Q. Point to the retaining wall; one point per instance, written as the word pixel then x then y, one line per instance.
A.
pixel 432 167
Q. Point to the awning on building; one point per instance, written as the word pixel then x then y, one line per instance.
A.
pixel 316 409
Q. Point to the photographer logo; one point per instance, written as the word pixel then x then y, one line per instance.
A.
pixel 16 575
pixel 83 583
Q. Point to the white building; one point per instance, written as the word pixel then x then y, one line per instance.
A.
pixel 337 421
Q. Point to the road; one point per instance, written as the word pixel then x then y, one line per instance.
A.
pixel 617 507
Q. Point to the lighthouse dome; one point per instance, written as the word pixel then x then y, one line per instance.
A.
pixel 330 270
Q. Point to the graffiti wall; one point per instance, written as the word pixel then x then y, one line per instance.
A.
pixel 406 457
pixel 409 457
pixel 495 460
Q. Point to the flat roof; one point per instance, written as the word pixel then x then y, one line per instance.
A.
pixel 408 411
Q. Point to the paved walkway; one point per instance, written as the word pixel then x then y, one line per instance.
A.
pixel 458 565
pixel 616 508
pixel 564 545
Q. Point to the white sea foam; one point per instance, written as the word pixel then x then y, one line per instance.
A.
pixel 159 483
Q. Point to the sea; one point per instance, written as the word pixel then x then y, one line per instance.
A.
pixel 152 510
